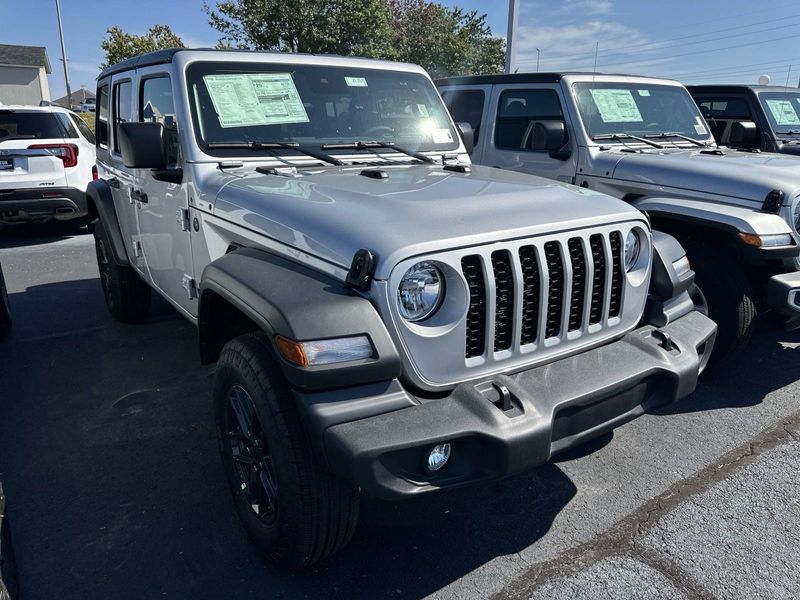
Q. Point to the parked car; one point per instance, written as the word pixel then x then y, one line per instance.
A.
pixel 751 117
pixel 644 140
pixel 87 105
pixel 5 307
pixel 47 158
pixel 384 316
pixel 8 569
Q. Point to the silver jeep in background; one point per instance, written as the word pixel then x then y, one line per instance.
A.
pixel 383 316
pixel 645 141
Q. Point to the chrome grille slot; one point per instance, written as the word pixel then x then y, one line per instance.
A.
pixel 476 313
pixel 504 299
pixel 598 278
pixel 555 294
pixel 531 288
pixel 578 291
pixel 615 301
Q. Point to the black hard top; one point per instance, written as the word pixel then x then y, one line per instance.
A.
pixel 520 78
pixel 159 57
pixel 728 88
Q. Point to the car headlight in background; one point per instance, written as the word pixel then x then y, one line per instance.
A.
pixel 632 248
pixel 796 216
pixel 420 292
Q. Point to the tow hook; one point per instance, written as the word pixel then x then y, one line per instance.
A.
pixel 665 340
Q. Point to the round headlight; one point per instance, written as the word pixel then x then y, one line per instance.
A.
pixel 420 292
pixel 797 216
pixel 632 247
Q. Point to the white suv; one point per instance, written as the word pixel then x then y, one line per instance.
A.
pixel 47 158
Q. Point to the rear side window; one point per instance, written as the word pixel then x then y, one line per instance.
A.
pixel 466 106
pixel 67 126
pixel 31 125
pixel 725 108
pixel 519 110
pixel 122 108
pixel 83 128
pixel 101 118
pixel 156 105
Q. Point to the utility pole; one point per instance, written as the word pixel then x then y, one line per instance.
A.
pixel 63 54
pixel 513 17
pixel 538 53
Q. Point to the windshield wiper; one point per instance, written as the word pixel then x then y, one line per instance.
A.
pixel 669 134
pixel 361 145
pixel 623 136
pixel 275 146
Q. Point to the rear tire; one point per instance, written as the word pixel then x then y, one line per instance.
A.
pixel 729 296
pixel 294 510
pixel 5 308
pixel 127 296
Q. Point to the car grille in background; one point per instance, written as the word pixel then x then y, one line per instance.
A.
pixel 577 271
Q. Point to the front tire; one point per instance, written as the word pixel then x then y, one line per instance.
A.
pixel 127 296
pixel 729 297
pixel 294 510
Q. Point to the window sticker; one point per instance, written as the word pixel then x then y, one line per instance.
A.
pixel 644 92
pixel 423 110
pixel 442 136
pixel 784 112
pixel 255 99
pixel 616 106
pixel 700 127
pixel 356 81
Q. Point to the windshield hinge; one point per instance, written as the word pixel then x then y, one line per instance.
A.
pixel 282 171
pixel 231 164
pixel 188 284
pixel 362 270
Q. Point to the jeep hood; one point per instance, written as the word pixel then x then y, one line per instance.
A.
pixel 735 174
pixel 417 209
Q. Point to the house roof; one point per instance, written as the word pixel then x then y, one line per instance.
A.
pixel 24 56
pixel 78 97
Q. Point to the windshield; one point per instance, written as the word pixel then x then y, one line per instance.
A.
pixel 312 105
pixel 782 110
pixel 638 109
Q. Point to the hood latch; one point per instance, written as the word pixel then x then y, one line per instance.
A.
pixel 773 202
pixel 362 270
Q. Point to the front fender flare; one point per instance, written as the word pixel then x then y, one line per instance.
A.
pixel 285 298
pixel 101 206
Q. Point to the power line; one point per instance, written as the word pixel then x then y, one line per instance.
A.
pixel 716 70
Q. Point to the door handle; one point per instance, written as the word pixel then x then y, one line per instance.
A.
pixel 139 196
pixel 114 183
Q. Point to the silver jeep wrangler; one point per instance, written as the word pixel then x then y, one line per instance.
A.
pixel 383 316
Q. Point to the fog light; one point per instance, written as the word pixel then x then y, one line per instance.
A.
pixel 439 456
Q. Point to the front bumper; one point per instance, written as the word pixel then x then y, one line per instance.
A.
pixel 783 294
pixel 378 436
pixel 21 205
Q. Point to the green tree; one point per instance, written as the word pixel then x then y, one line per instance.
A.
pixel 446 41
pixel 119 45
pixel 347 27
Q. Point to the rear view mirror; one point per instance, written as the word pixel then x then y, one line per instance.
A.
pixel 743 133
pixel 550 136
pixel 467 136
pixel 142 145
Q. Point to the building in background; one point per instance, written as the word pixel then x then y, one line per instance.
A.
pixel 79 97
pixel 23 74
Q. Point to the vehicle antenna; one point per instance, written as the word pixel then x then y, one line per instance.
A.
pixel 596 48
pixel 787 76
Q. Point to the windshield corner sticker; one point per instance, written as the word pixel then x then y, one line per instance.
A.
pixel 255 99
pixel 784 112
pixel 356 81
pixel 616 106
pixel 442 136
pixel 644 92
pixel 700 127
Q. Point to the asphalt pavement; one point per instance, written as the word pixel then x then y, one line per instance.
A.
pixel 115 487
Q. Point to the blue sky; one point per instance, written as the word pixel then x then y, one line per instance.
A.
pixel 691 40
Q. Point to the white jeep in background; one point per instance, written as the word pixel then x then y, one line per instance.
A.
pixel 47 159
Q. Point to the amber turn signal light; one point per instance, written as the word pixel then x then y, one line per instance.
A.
pixel 291 351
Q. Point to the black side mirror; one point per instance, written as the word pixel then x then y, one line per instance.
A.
pixel 743 133
pixel 550 136
pixel 467 136
pixel 142 145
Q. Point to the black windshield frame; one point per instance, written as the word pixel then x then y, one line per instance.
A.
pixel 309 80
pixel 683 121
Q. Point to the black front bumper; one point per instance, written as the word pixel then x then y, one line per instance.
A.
pixel 36 204
pixel 783 294
pixel 379 436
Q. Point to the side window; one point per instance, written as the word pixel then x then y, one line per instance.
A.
pixel 67 128
pixel 466 106
pixel 122 108
pixel 101 117
pixel 83 128
pixel 721 112
pixel 156 105
pixel 521 112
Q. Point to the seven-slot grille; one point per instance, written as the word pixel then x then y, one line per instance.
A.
pixel 564 288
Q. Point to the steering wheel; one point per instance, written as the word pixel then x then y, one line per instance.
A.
pixel 379 129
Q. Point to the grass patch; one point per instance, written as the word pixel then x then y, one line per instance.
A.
pixel 88 118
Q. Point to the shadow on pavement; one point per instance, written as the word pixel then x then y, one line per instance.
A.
pixel 769 363
pixel 109 460
pixel 17 236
